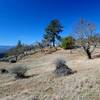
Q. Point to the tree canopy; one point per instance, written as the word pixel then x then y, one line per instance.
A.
pixel 52 31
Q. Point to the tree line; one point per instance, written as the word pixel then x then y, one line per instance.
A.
pixel 85 35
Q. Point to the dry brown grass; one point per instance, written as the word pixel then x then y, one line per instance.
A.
pixel 83 85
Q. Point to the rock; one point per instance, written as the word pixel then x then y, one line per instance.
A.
pixel 91 86
pixel 13 59
pixel 3 71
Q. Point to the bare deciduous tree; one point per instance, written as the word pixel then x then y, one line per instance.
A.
pixel 87 34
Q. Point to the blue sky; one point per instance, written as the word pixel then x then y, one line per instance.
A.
pixel 26 20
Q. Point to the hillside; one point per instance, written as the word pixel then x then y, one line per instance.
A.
pixel 43 85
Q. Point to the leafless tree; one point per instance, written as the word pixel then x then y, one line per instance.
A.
pixel 87 34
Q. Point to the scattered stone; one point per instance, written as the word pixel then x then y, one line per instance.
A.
pixel 3 71
pixel 13 59
pixel 90 86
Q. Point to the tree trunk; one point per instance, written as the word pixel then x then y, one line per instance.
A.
pixel 89 54
pixel 53 42
pixel 16 57
pixel 87 50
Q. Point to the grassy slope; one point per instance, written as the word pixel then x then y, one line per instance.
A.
pixel 83 85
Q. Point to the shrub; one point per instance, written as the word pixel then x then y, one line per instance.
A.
pixel 61 68
pixel 68 42
pixel 19 71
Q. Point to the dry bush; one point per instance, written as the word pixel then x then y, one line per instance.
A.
pixel 61 68
pixel 19 71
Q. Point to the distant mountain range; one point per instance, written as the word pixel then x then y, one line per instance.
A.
pixel 4 49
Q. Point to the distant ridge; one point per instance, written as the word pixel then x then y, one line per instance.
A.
pixel 4 49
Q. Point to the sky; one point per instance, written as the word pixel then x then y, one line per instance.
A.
pixel 26 20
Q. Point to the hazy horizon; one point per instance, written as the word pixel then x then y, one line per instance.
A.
pixel 26 20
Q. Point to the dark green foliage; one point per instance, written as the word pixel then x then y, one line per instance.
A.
pixel 68 42
pixel 52 31
pixel 19 44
